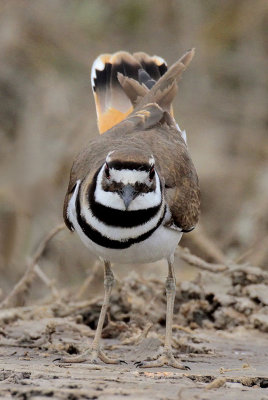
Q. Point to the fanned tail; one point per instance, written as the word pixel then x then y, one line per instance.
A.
pixel 112 103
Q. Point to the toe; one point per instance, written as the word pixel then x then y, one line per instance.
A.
pixel 176 364
pixel 58 359
pixel 138 364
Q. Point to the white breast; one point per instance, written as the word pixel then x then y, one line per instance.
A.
pixel 161 244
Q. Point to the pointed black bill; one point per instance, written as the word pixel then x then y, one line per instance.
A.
pixel 127 194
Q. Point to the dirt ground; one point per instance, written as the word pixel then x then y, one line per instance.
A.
pixel 236 363
pixel 219 331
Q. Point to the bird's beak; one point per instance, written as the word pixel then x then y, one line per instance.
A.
pixel 127 194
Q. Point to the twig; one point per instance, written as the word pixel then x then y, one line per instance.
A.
pixel 26 280
pixel 208 248
pixel 263 243
pixel 57 310
pixel 87 282
pixel 48 282
pixel 138 338
pixel 17 343
pixel 259 255
pixel 191 259
pixel 182 328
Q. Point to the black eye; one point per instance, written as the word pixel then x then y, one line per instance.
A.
pixel 151 173
pixel 107 171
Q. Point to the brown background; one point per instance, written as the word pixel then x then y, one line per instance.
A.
pixel 47 114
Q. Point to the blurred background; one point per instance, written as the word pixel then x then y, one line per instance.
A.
pixel 47 115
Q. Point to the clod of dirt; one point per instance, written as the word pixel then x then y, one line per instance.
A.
pixel 260 321
pixel 228 317
pixel 244 305
pixel 216 383
pixel 258 292
pixel 238 296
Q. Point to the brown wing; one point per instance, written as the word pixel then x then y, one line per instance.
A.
pixel 178 173
pixel 184 197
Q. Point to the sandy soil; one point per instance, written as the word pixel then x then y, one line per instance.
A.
pixel 235 362
pixel 220 332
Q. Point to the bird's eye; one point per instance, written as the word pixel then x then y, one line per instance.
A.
pixel 107 171
pixel 151 173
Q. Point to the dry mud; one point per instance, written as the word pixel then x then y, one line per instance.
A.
pixel 220 332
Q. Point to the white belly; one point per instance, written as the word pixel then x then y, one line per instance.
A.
pixel 161 244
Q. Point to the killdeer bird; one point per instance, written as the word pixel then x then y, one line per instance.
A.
pixel 133 190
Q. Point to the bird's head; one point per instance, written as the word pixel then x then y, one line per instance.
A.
pixel 128 182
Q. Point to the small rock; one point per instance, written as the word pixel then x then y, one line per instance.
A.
pixel 227 317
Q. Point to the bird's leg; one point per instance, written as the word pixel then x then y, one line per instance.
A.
pixel 167 358
pixel 95 352
pixel 108 286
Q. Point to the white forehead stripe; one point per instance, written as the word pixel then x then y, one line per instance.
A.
pixel 128 175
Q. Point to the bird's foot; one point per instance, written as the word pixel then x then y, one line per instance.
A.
pixel 91 356
pixel 166 358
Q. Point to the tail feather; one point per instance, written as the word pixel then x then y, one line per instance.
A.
pixel 132 88
pixel 165 89
pixel 112 103
pixel 154 66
